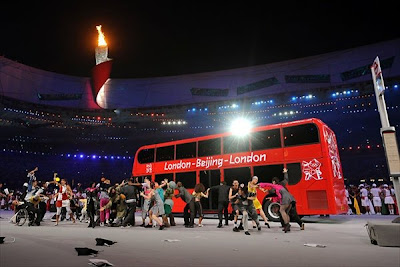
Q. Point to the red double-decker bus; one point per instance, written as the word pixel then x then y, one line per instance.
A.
pixel 307 148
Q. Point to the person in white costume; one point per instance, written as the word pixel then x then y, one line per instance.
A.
pixel 375 191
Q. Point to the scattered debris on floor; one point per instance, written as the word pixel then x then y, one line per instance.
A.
pixel 100 263
pixel 86 251
pixel 104 242
pixel 314 245
pixel 172 240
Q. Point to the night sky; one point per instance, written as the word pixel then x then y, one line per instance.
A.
pixel 171 38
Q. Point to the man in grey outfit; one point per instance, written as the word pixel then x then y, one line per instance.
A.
pixel 130 192
pixel 189 200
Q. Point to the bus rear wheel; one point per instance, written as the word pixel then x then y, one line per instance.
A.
pixel 271 210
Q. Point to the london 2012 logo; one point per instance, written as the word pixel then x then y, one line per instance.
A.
pixel 149 168
pixel 333 152
pixel 312 169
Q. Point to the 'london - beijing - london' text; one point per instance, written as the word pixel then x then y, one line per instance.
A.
pixel 210 162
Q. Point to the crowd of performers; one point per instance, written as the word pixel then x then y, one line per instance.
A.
pixel 374 199
pixel 106 204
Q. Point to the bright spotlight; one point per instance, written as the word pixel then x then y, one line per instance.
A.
pixel 241 127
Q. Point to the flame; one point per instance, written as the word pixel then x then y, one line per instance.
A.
pixel 102 39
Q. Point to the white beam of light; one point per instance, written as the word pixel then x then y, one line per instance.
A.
pixel 241 127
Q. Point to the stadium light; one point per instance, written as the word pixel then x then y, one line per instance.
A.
pixel 241 127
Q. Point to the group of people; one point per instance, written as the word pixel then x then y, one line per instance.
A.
pixel 104 204
pixel 366 199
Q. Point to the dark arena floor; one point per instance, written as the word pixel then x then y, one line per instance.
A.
pixel 345 239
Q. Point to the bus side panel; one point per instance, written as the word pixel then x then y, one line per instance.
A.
pixel 332 154
pixel 314 194
pixel 302 152
pixel 142 169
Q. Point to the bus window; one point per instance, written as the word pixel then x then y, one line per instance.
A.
pixel 188 179
pixel 165 153
pixel 265 139
pixel 301 135
pixel 184 151
pixel 146 156
pixel 235 144
pixel 210 147
pixel 160 177
pixel 243 175
pixel 141 178
pixel 265 173
pixel 209 179
pixel 294 173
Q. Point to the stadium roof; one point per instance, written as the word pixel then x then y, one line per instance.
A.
pixel 306 74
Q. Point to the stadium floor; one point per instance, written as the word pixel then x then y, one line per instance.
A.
pixel 345 238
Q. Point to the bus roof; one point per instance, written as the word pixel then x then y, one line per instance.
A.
pixel 255 129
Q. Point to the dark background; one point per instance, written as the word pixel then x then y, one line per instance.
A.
pixel 160 38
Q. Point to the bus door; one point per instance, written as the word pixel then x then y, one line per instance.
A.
pixel 210 178
pixel 243 175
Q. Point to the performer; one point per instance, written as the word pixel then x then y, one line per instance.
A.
pixel 42 206
pixel 388 199
pixel 223 201
pixel 349 203
pixel 169 203
pixel 364 198
pixel 158 207
pixel 130 192
pixel 63 196
pixel 233 198
pixel 160 191
pixel 293 211
pixel 393 194
pixel 104 198
pixel 198 194
pixel 91 203
pixel 286 200
pixel 117 206
pixel 32 199
pixel 252 188
pixel 246 207
pixel 376 199
pixel 32 177
pixel 146 202
pixel 189 200
pixel 6 196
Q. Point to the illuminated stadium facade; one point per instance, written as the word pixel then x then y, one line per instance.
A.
pixel 64 124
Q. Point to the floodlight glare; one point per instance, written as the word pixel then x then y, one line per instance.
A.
pixel 241 127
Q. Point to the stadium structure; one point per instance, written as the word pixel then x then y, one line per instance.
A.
pixel 85 127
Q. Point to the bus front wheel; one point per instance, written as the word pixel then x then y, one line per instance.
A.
pixel 271 210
